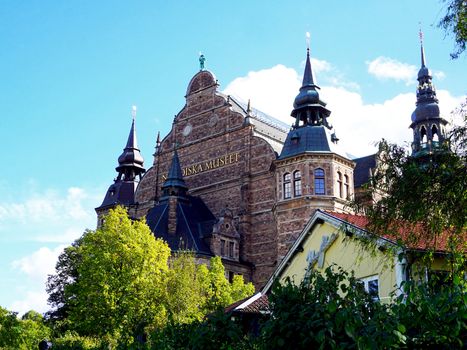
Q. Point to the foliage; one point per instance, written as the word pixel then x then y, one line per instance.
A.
pixel 19 334
pixel 434 316
pixel 120 278
pixel 217 289
pixel 113 277
pixel 425 197
pixel 194 291
pixel 455 22
pixel 329 310
pixel 218 331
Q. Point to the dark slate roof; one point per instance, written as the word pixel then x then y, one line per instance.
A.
pixel 361 173
pixel 194 222
pixel 131 156
pixel 175 175
pixel 309 138
pixel 121 192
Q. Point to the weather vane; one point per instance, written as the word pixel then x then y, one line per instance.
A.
pixel 307 34
pixel 202 59
pixel 420 33
pixel 133 111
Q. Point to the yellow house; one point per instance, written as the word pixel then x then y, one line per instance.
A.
pixel 336 238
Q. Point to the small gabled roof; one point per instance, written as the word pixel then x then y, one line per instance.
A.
pixel 352 223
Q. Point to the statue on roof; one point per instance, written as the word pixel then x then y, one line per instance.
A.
pixel 202 59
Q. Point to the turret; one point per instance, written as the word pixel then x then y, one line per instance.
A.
pixel 130 170
pixel 429 133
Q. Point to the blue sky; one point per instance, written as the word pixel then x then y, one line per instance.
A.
pixel 71 70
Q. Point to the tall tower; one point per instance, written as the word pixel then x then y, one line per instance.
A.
pixel 311 171
pixel 429 129
pixel 130 169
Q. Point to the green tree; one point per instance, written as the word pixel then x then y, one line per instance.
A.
pixel 24 333
pixel 455 21
pixel 425 199
pixel 328 311
pixel 217 289
pixel 118 275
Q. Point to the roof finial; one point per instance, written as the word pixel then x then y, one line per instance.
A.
pixel 202 59
pixel 420 35
pixel 133 112
pixel 307 34
pixel 248 107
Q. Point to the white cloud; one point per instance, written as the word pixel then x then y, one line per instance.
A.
pixel 36 301
pixel 39 264
pixel 34 268
pixel 51 217
pixel 357 124
pixel 51 206
pixel 389 68
pixel 270 90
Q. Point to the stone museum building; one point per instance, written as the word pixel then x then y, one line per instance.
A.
pixel 231 181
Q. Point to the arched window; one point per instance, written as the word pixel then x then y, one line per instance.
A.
pixel 319 182
pixel 347 187
pixel 297 184
pixel 434 133
pixel 287 186
pixel 423 134
pixel 339 184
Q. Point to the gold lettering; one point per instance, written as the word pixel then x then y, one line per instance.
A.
pixel 211 164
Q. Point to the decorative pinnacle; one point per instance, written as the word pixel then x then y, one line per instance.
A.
pixel 420 35
pixel 133 112
pixel 248 108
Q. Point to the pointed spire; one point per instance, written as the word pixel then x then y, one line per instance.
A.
pixel 422 51
pixel 131 156
pixel 427 124
pixel 309 109
pixel 175 185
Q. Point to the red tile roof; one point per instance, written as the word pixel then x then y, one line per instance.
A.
pixel 412 234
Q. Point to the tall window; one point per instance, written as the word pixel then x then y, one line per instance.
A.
pixel 297 184
pixel 287 186
pixel 346 184
pixel 231 249
pixel 222 247
pixel 423 134
pixel 339 184
pixel 319 182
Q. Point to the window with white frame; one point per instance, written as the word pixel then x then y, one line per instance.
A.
pixel 297 183
pixel 371 286
pixel 319 182
pixel 287 186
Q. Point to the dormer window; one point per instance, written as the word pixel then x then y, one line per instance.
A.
pixel 319 182
pixel 297 181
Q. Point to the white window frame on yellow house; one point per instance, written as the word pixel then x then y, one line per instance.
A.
pixel 366 285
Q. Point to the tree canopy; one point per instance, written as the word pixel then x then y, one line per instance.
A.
pixel 455 21
pixel 118 282
pixel 425 198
